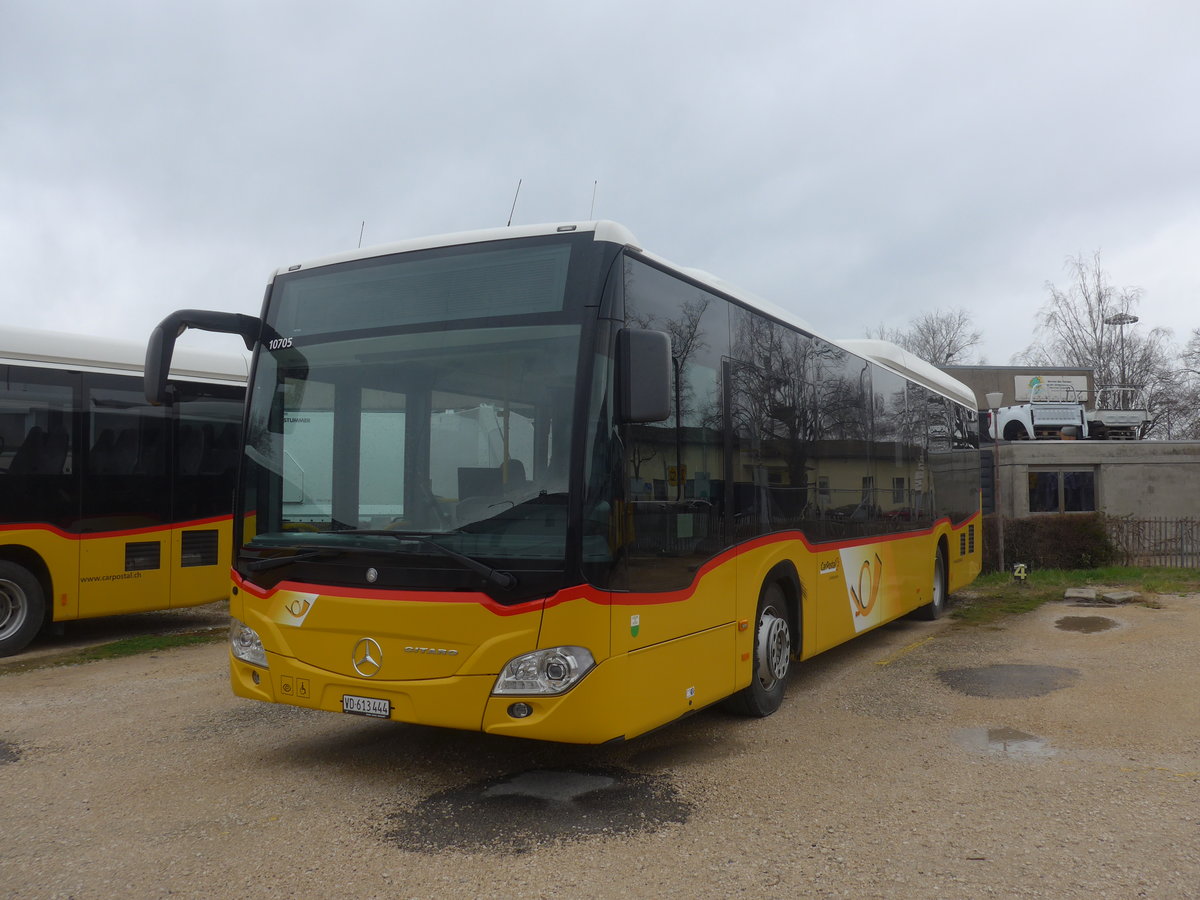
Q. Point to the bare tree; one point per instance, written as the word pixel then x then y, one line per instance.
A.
pixel 941 337
pixel 1182 415
pixel 1076 328
pixel 1191 354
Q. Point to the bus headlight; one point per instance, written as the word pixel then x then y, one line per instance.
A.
pixel 246 644
pixel 545 671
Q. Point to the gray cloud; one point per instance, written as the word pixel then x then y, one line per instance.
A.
pixel 858 163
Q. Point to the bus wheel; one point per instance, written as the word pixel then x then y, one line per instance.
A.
pixel 772 655
pixel 937 603
pixel 22 607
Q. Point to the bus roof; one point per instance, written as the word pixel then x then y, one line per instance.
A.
pixel 912 367
pixel 603 230
pixel 883 353
pixel 88 353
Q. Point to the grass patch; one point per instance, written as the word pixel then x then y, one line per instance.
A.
pixel 1171 581
pixel 147 644
pixel 984 605
pixel 996 596
pixel 134 646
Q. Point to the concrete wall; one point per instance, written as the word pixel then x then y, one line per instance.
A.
pixel 1146 479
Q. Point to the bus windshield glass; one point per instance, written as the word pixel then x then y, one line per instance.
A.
pixel 420 396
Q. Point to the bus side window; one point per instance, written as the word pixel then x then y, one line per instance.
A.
pixel 36 446
pixel 673 514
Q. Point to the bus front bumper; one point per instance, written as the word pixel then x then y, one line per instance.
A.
pixel 463 702
pixel 622 697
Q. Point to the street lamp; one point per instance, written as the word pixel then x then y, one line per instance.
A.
pixel 994 401
pixel 1122 319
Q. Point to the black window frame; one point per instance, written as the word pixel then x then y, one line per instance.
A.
pixel 1062 490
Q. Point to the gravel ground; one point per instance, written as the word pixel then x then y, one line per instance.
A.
pixel 1048 757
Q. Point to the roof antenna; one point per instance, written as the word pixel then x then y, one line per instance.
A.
pixel 361 229
pixel 514 206
pixel 592 211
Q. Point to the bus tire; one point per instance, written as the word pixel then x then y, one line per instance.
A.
pixel 772 655
pixel 22 607
pixel 937 603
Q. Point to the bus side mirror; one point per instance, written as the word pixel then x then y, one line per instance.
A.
pixel 161 347
pixel 643 375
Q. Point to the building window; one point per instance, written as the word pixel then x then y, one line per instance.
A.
pixel 897 490
pixel 1062 491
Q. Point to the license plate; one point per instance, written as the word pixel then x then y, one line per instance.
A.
pixel 367 706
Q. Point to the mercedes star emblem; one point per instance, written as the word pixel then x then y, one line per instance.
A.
pixel 367 657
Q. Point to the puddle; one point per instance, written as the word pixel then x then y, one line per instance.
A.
pixel 1009 682
pixel 1007 742
pixel 516 813
pixel 9 753
pixel 1085 624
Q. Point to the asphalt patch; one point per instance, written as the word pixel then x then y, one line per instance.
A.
pixel 684 753
pixel 1009 682
pixel 518 812
pixel 9 752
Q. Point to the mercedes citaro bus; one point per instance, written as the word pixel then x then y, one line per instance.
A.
pixel 537 481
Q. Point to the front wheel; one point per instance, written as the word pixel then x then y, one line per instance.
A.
pixel 772 655
pixel 937 602
pixel 22 608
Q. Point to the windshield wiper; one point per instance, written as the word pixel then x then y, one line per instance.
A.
pixel 274 562
pixel 495 577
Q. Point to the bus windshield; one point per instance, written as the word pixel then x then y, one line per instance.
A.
pixel 433 405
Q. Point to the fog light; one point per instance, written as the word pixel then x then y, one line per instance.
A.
pixel 255 677
pixel 520 710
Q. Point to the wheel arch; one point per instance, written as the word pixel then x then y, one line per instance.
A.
pixel 1015 430
pixel 32 562
pixel 784 573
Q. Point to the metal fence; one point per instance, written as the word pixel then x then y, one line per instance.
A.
pixel 1155 542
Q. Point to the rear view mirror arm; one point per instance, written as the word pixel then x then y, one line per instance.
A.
pixel 161 346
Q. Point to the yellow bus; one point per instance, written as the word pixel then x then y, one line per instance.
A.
pixel 108 504
pixel 540 482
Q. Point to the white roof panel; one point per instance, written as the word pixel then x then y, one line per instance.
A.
pixel 88 353
pixel 913 367
pixel 603 230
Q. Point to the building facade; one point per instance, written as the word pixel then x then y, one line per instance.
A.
pixel 1140 479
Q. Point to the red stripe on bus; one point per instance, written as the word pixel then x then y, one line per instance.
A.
pixel 98 535
pixel 585 592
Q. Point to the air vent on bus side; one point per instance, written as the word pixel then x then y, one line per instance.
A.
pixel 142 555
pixel 199 548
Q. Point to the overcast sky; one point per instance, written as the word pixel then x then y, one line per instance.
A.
pixel 857 163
